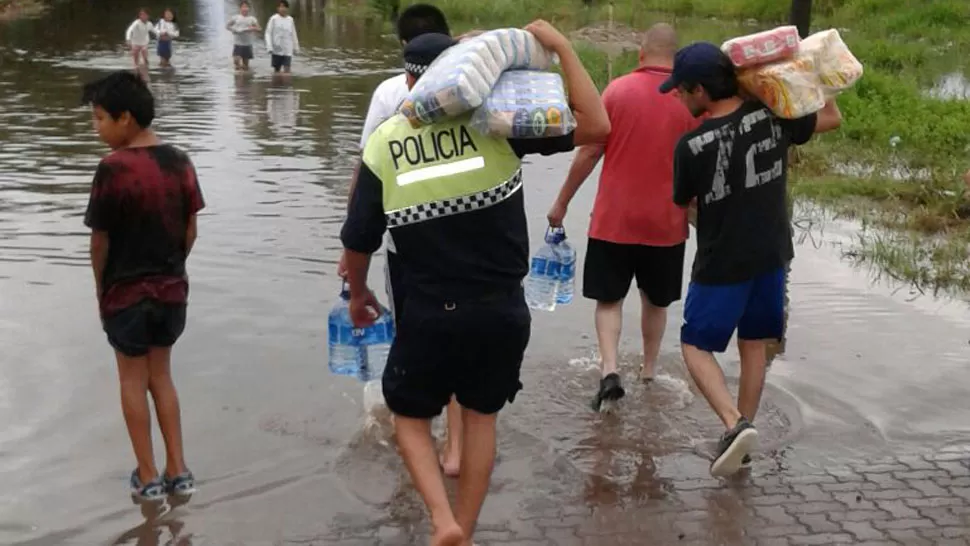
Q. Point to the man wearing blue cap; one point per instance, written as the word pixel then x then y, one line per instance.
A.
pixel 733 168
pixel 452 199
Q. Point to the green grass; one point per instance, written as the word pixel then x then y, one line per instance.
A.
pixel 905 46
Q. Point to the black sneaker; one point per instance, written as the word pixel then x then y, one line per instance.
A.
pixel 610 390
pixel 733 448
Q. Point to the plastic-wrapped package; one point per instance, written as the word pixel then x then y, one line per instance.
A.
pixel 525 104
pixel 837 68
pixel 764 47
pixel 791 89
pixel 822 68
pixel 460 79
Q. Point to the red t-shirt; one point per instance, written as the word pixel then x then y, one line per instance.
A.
pixel 143 198
pixel 634 203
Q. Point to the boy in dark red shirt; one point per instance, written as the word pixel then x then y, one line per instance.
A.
pixel 142 213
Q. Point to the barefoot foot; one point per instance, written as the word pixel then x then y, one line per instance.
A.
pixel 451 463
pixel 448 535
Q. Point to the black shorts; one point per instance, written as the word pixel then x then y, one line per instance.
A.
pixel 279 61
pixel 136 329
pixel 243 51
pixel 610 267
pixel 472 350
pixel 394 279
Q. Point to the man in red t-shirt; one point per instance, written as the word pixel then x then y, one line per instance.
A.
pixel 636 231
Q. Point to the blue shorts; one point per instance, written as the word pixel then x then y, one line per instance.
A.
pixel 756 308
pixel 164 49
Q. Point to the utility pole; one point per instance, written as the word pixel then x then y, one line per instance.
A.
pixel 801 16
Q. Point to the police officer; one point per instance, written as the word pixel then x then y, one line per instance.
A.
pixel 452 200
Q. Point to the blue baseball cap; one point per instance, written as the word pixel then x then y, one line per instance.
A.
pixel 699 62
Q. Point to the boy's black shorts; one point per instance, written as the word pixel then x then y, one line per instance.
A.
pixel 279 61
pixel 149 323
pixel 470 349
pixel 243 51
pixel 610 267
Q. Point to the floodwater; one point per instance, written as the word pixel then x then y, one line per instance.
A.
pixel 277 443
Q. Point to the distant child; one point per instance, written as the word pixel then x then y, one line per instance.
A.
pixel 281 40
pixel 167 30
pixel 138 35
pixel 243 27
pixel 142 213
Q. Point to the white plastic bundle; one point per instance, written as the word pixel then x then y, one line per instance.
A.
pixel 459 80
pixel 525 104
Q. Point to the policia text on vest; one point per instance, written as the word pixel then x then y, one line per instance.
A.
pixel 439 170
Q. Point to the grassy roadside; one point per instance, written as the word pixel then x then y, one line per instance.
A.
pixel 895 164
pixel 14 9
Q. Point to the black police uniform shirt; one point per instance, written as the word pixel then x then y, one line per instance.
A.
pixel 736 166
pixel 462 256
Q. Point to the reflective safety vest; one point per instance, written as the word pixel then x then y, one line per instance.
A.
pixel 439 170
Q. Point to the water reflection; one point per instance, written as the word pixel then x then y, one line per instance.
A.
pixel 952 86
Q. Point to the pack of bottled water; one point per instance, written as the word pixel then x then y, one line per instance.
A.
pixel 359 352
pixel 552 274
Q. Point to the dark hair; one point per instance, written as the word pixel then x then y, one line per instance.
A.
pixel 244 3
pixel 145 11
pixel 175 17
pixel 283 3
pixel 721 85
pixel 121 92
pixel 421 19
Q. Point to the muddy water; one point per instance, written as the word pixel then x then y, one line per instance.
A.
pixel 279 444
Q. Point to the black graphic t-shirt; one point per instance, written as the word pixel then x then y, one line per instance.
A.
pixel 736 167
pixel 465 255
pixel 143 198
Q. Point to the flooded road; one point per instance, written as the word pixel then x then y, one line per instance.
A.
pixel 276 441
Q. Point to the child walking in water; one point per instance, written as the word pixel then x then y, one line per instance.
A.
pixel 142 215
pixel 167 30
pixel 281 40
pixel 138 35
pixel 243 27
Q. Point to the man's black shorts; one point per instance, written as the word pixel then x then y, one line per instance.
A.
pixel 147 324
pixel 243 51
pixel 394 279
pixel 470 349
pixel 279 61
pixel 610 267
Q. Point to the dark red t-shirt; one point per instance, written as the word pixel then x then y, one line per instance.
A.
pixel 635 200
pixel 143 198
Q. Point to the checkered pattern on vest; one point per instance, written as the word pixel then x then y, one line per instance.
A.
pixel 447 207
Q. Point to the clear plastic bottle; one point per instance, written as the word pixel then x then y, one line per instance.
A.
pixel 344 349
pixel 542 284
pixel 567 270
pixel 375 343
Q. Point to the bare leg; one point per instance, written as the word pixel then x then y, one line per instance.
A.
pixel 417 449
pixel 166 408
pixel 609 322
pixel 451 459
pixel 245 64
pixel 133 375
pixel 144 56
pixel 136 57
pixel 709 378
pixel 477 461
pixel 653 322
pixel 754 364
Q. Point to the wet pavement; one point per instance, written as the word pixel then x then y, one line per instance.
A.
pixel 281 447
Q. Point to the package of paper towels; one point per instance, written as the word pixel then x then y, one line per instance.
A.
pixel 460 79
pixel 525 104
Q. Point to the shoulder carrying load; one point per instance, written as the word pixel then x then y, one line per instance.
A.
pixel 525 104
pixel 822 68
pixel 460 79
pixel 763 47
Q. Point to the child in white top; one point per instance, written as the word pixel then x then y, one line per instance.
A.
pixel 281 40
pixel 244 28
pixel 138 36
pixel 167 29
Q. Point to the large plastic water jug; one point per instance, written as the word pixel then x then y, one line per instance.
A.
pixel 359 352
pixel 567 270
pixel 542 284
pixel 344 348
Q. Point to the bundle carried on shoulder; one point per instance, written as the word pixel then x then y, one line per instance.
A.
pixel 463 76
pixel 763 47
pixel 821 68
pixel 525 104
